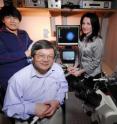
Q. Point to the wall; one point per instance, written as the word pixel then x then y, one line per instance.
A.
pixel 110 54
pixel 38 25
pixel 35 23
pixel 1 3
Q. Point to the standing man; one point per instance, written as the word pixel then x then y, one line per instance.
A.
pixel 38 89
pixel 14 44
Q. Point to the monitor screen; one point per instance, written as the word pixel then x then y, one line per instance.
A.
pixel 68 56
pixel 67 34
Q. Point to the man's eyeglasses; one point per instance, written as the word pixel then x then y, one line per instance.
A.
pixel 43 57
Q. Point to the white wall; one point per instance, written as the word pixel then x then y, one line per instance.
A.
pixel 36 24
pixel 41 25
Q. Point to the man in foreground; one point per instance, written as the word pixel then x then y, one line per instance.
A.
pixel 38 89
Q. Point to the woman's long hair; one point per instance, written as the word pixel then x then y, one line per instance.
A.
pixel 95 26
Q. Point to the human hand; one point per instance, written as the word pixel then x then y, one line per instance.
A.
pixel 54 105
pixel 40 109
pixel 70 68
pixel 74 71
pixel 28 53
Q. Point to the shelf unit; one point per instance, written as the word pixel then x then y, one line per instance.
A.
pixel 69 12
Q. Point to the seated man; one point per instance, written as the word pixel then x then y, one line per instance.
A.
pixel 38 89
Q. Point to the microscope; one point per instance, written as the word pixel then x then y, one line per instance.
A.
pixel 102 99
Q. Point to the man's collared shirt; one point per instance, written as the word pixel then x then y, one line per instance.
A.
pixel 27 87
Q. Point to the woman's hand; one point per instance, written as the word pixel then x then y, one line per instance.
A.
pixel 75 71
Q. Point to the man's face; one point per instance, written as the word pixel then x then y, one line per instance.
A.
pixel 11 23
pixel 43 60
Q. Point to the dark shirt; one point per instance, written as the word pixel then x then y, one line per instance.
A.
pixel 12 53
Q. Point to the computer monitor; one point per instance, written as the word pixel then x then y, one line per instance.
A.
pixel 67 34
pixel 68 56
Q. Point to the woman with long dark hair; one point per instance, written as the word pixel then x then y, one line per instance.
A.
pixel 90 48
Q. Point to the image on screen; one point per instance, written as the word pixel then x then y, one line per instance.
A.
pixel 68 56
pixel 67 34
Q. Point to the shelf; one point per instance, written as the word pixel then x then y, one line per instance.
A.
pixel 68 12
pixel 34 11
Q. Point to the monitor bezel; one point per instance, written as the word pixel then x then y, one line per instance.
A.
pixel 67 44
